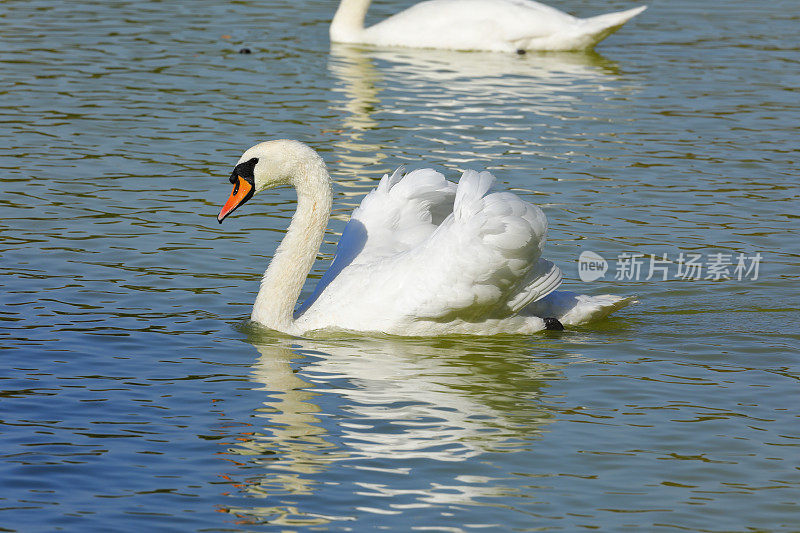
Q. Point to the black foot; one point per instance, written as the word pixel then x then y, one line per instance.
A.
pixel 553 324
pixel 521 52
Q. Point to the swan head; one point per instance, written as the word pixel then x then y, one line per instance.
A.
pixel 268 165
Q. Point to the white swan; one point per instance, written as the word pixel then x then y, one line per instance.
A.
pixel 493 25
pixel 420 255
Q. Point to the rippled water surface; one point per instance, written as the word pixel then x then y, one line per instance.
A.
pixel 135 395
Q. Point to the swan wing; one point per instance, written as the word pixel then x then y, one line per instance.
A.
pixel 483 261
pixel 399 214
pixel 403 211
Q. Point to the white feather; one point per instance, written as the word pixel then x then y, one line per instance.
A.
pixel 492 25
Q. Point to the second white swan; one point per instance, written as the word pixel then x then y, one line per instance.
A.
pixel 420 255
pixel 489 25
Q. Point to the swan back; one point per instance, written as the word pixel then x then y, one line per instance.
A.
pixel 400 269
pixel 493 25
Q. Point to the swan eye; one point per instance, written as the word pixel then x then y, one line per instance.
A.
pixel 245 170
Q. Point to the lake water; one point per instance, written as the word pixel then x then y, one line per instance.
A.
pixel 135 395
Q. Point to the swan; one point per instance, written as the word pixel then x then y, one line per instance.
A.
pixel 492 25
pixel 420 256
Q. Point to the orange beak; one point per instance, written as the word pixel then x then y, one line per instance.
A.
pixel 242 191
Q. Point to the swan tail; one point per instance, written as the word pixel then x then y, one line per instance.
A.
pixel 573 309
pixel 592 30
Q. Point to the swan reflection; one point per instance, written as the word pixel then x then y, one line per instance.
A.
pixel 480 108
pixel 479 72
pixel 386 407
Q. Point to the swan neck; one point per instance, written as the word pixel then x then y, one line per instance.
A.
pixel 286 274
pixel 348 22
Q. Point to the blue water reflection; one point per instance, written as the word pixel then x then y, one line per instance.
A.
pixel 375 408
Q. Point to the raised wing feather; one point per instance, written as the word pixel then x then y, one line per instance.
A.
pixel 400 213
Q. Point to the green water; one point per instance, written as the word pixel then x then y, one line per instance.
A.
pixel 134 395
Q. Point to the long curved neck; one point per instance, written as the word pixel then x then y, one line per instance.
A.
pixel 348 22
pixel 284 278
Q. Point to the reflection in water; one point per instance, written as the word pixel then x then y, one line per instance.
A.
pixel 455 96
pixel 476 110
pixel 360 83
pixel 382 405
pixel 474 71
pixel 485 77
